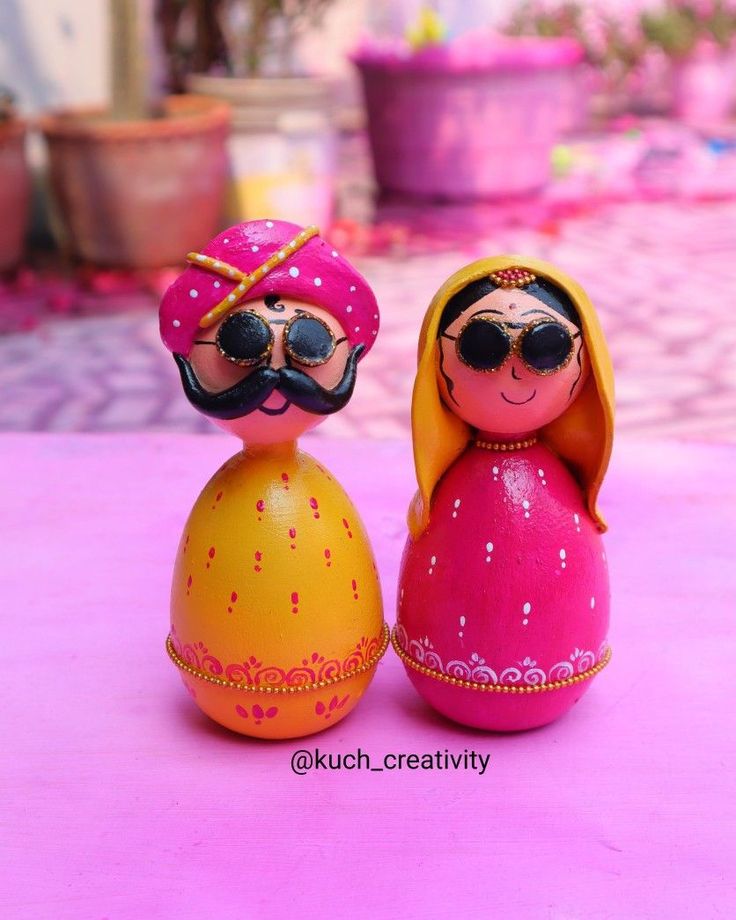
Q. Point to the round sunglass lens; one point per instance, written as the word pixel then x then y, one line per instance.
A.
pixel 309 341
pixel 546 347
pixel 483 346
pixel 244 338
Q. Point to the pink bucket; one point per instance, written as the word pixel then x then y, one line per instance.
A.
pixel 463 121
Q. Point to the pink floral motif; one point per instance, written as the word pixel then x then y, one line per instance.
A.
pixel 252 671
pixel 258 712
pixel 327 710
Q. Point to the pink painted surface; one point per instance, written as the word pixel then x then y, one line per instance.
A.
pixel 120 800
pixel 507 585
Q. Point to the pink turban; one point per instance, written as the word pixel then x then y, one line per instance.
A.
pixel 314 273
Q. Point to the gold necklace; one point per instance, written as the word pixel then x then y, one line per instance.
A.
pixel 506 445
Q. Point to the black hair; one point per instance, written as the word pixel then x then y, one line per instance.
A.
pixel 541 289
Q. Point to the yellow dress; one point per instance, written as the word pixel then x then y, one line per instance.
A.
pixel 276 612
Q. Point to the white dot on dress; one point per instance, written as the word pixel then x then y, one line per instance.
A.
pixel 193 293
pixel 294 271
pixel 357 328
pixel 226 240
pixel 317 282
pixel 352 288
pixel 592 603
pixel 217 284
pixel 176 323
pixel 254 248
pixel 348 309
pixel 527 608
pixel 334 253
pixel 269 224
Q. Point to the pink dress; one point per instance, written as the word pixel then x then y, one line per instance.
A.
pixel 507 586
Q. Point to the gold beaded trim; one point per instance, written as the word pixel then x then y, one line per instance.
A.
pixel 247 280
pixel 512 277
pixel 298 688
pixel 499 688
pixel 506 445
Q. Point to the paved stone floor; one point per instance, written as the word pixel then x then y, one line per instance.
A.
pixel 663 276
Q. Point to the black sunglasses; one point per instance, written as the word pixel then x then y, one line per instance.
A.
pixel 485 345
pixel 246 339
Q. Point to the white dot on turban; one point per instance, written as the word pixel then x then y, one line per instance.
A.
pixel 254 249
pixel 349 309
pixel 194 293
pixel 294 271
pixel 318 282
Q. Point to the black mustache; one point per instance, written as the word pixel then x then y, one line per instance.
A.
pixel 252 391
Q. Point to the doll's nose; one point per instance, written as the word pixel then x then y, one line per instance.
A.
pixel 514 372
pixel 278 358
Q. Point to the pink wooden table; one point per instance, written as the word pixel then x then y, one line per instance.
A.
pixel 121 801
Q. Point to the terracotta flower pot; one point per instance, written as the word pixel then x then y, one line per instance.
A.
pixel 15 192
pixel 282 150
pixel 139 194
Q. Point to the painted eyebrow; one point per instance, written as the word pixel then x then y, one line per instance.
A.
pixel 499 312
pixel 543 312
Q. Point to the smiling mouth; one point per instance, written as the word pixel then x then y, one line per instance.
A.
pixel 521 403
pixel 279 411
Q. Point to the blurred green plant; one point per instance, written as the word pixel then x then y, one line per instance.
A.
pixel 677 27
pixel 612 39
pixel 241 38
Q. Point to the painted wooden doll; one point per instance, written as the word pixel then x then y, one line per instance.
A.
pixel 276 615
pixel 503 593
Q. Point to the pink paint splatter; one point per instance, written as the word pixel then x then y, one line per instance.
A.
pixel 346 525
pixel 314 506
pixel 233 600
pixel 327 557
pixel 355 589
pixel 217 499
pixel 186 543
pixel 292 534
pixel 258 556
pixel 260 505
pixel 285 480
pixel 295 602
pixel 189 583
pixel 211 554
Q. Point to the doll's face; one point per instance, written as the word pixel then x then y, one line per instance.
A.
pixel 545 369
pixel 260 337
